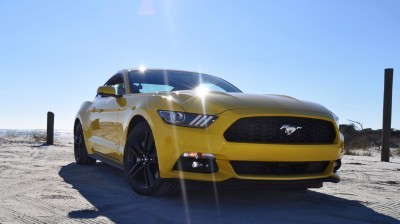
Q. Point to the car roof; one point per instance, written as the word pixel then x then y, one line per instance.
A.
pixel 160 69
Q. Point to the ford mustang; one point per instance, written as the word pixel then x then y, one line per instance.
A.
pixel 165 126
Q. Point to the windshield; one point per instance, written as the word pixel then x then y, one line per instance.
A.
pixel 151 81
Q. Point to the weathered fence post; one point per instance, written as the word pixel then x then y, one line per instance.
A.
pixel 50 128
pixel 387 115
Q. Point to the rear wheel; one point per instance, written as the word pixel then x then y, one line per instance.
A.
pixel 81 155
pixel 141 163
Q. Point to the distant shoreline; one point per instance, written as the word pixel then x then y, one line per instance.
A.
pixel 24 132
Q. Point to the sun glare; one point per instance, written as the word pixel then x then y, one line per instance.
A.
pixel 202 90
pixel 142 68
pixel 167 97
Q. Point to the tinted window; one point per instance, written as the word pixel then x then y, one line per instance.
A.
pixel 117 82
pixel 159 80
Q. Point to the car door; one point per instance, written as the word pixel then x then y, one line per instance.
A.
pixel 106 128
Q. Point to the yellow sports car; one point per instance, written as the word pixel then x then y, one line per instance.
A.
pixel 162 126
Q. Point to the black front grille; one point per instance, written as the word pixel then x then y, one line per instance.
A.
pixel 272 130
pixel 278 168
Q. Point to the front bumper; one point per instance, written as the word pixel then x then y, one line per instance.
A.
pixel 173 141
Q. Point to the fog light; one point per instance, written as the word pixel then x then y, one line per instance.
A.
pixel 197 162
pixel 336 165
pixel 198 155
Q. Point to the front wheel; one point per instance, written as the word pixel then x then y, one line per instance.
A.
pixel 141 163
pixel 80 152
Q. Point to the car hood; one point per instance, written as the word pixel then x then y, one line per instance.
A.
pixel 218 102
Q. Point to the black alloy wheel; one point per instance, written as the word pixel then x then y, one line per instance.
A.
pixel 80 152
pixel 141 163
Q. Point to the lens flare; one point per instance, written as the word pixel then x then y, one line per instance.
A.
pixel 202 90
pixel 142 68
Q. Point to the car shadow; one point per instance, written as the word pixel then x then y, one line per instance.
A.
pixel 106 189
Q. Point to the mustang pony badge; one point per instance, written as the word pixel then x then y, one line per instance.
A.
pixel 289 129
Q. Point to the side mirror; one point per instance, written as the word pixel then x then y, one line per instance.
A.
pixel 107 91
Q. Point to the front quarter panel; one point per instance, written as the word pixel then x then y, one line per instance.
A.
pixel 84 118
pixel 145 106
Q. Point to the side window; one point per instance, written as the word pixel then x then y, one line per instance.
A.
pixel 118 83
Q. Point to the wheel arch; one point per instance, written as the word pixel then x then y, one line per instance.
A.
pixel 133 122
pixel 77 121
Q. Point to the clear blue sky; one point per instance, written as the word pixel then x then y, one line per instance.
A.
pixel 54 54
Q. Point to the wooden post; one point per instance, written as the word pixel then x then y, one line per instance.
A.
pixel 50 128
pixel 387 115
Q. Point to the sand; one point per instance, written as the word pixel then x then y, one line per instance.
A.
pixel 43 184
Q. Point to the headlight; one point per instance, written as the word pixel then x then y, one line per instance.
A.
pixel 187 119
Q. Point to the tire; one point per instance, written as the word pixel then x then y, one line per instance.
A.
pixel 141 163
pixel 80 151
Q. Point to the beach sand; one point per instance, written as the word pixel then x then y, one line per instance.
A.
pixel 43 184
